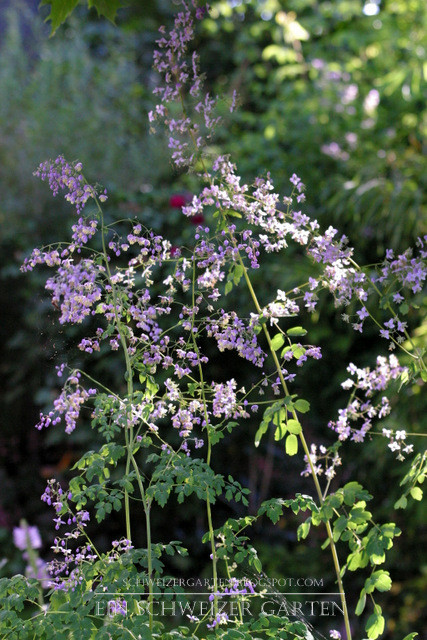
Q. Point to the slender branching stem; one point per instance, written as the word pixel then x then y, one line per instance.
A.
pixel 209 453
pixel 147 510
pixel 303 442
pixel 129 373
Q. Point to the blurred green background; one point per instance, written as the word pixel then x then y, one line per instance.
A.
pixel 334 91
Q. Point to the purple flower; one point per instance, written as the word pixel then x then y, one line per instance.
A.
pixel 67 177
pixel 179 72
pixel 117 607
pixel 368 382
pixel 25 537
pixel 363 313
pixel 221 618
pixel 41 573
pixel 67 405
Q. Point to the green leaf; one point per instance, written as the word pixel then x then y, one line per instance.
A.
pixel 291 445
pixel 277 342
pixel 411 636
pixel 375 625
pixel 357 560
pixel 294 427
pixel 302 405
pixel 280 432
pixel 339 526
pixel 401 503
pixel 416 493
pixel 57 600
pixel 358 515
pixel 361 603
pixel 257 564
pixel 296 331
pixel 382 580
pixel 298 350
pixel 228 287
pixel 59 11
pixel 107 8
pixel 151 386
pixel 379 580
pixel 335 500
pixel 262 429
pixel 353 491
pixel 303 529
pixel 238 272
pixel 272 508
pixel 326 544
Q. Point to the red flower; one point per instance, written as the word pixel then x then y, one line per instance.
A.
pixel 197 219
pixel 178 201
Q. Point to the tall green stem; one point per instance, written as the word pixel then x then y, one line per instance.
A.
pixel 147 509
pixel 304 445
pixel 129 379
pixel 209 453
pixel 285 389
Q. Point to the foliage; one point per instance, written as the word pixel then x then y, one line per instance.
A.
pixel 61 9
pixel 335 94
pixel 158 426
pixel 82 96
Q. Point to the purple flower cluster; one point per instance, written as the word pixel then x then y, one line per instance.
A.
pixel 324 461
pixel 28 540
pixel 75 289
pixel 231 332
pixel 186 418
pixel 397 442
pixel 220 618
pixel 50 258
pixel 225 402
pixel 407 270
pixel 235 589
pixel 260 207
pixel 282 307
pixel 67 177
pixel 83 231
pixel 117 607
pixel 369 382
pixel 182 83
pixel 67 570
pixel 68 405
pixel 25 537
pixel 122 545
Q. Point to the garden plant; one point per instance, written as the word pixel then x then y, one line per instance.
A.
pixel 159 311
